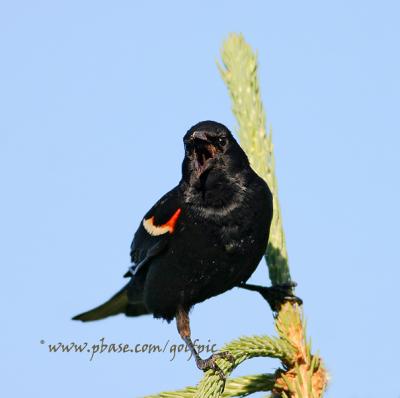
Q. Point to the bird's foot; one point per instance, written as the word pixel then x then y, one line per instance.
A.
pixel 275 295
pixel 284 292
pixel 209 363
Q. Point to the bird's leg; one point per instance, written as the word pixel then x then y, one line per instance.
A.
pixel 275 295
pixel 183 325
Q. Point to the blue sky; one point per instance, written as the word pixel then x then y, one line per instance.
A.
pixel 95 98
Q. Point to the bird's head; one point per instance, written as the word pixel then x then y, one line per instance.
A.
pixel 210 147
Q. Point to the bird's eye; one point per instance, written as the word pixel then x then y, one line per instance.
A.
pixel 221 141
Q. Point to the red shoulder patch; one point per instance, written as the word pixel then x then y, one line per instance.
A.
pixel 156 230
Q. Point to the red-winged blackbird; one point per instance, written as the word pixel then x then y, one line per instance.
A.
pixel 204 237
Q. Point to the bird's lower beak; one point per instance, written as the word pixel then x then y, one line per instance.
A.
pixel 203 154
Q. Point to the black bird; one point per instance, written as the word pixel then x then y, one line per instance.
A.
pixel 204 237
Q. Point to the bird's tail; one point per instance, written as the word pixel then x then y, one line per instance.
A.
pixel 117 304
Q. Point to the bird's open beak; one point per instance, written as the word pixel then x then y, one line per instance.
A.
pixel 203 150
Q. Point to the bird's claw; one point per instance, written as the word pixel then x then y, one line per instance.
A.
pixel 279 294
pixel 275 295
pixel 210 363
pixel 284 291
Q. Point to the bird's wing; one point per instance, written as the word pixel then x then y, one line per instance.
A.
pixel 155 231
pixel 150 240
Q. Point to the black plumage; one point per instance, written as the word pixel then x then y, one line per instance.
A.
pixel 204 237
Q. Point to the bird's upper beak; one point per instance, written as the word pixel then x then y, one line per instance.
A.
pixel 199 135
